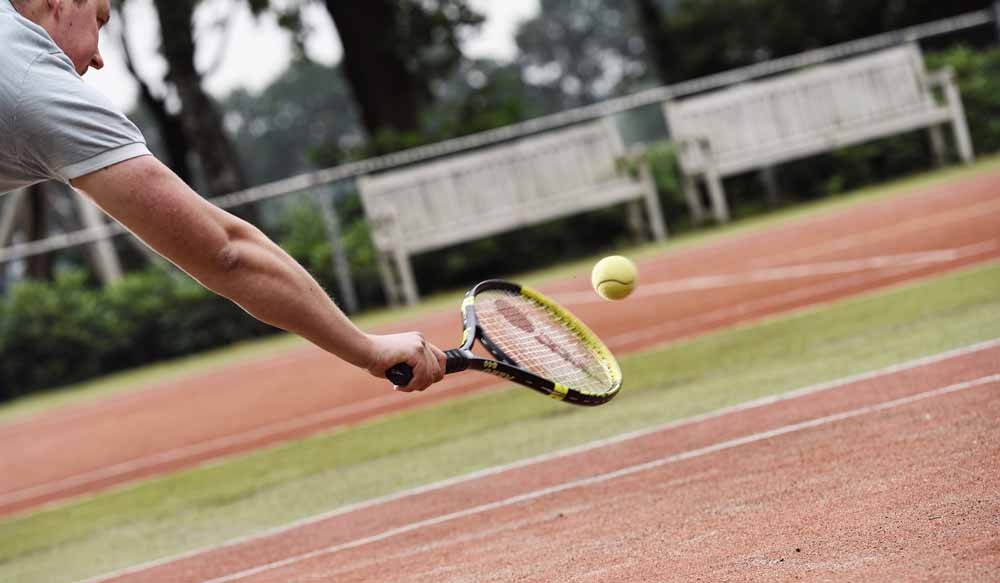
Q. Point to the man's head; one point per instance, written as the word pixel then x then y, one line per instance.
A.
pixel 74 25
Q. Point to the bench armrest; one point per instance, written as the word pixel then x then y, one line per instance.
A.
pixel 702 157
pixel 942 77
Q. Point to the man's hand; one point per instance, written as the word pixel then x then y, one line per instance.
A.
pixel 426 360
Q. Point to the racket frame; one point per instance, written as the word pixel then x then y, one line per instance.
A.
pixel 505 367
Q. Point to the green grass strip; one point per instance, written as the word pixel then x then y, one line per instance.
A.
pixel 246 351
pixel 235 497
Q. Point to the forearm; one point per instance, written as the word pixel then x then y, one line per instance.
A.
pixel 265 281
pixel 224 253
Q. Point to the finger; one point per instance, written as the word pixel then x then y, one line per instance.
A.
pixel 421 376
pixel 431 368
pixel 438 360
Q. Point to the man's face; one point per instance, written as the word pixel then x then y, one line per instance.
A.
pixel 76 27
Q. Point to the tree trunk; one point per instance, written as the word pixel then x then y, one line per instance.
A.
pixel 36 227
pixel 388 94
pixel 174 140
pixel 200 120
pixel 658 44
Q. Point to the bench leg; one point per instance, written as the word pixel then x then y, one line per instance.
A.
pixel 937 145
pixel 719 205
pixel 102 252
pixel 653 209
pixel 388 279
pixel 635 222
pixel 958 124
pixel 768 176
pixel 693 199
pixel 409 283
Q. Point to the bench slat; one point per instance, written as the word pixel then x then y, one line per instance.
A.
pixel 765 123
pixel 497 189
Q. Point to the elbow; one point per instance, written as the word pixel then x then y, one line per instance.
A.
pixel 241 241
pixel 236 248
pixel 229 258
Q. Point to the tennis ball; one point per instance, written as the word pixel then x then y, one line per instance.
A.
pixel 614 277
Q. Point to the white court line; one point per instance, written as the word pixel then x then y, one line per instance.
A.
pixel 792 272
pixel 921 224
pixel 911 261
pixel 757 403
pixel 211 445
pixel 587 297
pixel 583 482
pixel 804 292
pixel 852 240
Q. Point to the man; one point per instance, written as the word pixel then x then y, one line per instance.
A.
pixel 53 126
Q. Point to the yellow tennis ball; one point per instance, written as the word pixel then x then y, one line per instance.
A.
pixel 614 277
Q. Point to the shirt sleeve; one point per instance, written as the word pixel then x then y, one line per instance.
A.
pixel 68 129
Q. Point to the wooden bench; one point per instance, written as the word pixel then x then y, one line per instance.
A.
pixel 469 196
pixel 762 124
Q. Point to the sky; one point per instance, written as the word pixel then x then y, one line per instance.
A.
pixel 258 50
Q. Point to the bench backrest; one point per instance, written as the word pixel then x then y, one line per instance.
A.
pixel 800 113
pixel 472 195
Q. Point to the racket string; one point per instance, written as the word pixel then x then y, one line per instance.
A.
pixel 539 340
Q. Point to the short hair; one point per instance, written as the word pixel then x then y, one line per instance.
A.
pixel 23 2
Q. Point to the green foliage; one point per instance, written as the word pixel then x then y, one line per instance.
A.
pixel 66 331
pixel 48 332
pixel 978 74
pixel 302 120
pixel 582 50
pixel 479 96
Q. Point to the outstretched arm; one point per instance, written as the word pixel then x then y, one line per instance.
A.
pixel 234 259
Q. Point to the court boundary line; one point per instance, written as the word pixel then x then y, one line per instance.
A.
pixel 608 476
pixel 795 271
pixel 671 254
pixel 582 448
pixel 298 423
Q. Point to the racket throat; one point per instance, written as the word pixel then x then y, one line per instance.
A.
pixel 457 360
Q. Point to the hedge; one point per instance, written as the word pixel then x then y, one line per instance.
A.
pixel 56 333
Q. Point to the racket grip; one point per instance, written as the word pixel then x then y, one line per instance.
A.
pixel 400 374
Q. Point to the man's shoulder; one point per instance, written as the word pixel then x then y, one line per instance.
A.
pixel 26 48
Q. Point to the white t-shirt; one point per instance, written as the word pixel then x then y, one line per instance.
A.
pixel 53 125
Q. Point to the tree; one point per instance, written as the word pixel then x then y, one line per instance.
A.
pixel 481 95
pixel 201 121
pixel 306 117
pixel 395 51
pixel 582 49
pixel 702 37
pixel 658 44
pixel 172 137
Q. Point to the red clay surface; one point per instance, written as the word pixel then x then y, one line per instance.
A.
pixel 891 477
pixel 683 292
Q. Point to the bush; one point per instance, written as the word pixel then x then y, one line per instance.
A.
pixel 66 331
pixel 52 333
pixel 978 74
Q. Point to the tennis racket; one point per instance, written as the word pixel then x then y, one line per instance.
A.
pixel 535 343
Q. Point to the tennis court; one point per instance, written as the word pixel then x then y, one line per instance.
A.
pixel 868 473
pixel 691 290
pixel 888 475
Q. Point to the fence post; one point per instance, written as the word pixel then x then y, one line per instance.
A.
pixel 102 252
pixel 996 17
pixel 341 267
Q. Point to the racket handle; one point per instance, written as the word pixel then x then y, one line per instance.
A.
pixel 402 373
